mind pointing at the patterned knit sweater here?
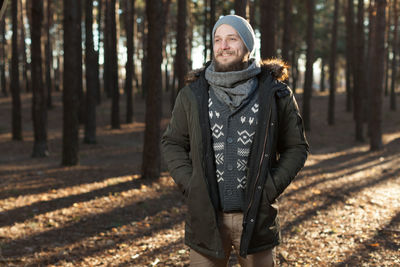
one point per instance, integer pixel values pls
(232, 133)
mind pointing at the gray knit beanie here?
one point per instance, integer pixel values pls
(243, 28)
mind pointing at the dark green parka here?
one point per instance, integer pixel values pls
(279, 150)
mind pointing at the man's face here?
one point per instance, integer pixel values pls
(230, 52)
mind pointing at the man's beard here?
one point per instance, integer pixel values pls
(236, 65)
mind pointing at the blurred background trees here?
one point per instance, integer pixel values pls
(142, 50)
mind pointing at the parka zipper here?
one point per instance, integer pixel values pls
(261, 160)
(243, 253)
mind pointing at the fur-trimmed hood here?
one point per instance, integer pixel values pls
(277, 67)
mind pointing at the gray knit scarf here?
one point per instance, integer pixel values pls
(233, 87)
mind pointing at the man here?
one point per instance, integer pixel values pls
(234, 143)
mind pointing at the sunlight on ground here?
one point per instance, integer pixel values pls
(29, 199)
(60, 218)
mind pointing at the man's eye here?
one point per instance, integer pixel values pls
(233, 39)
(217, 40)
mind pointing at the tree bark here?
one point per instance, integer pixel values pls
(268, 20)
(72, 62)
(91, 94)
(82, 101)
(369, 67)
(129, 26)
(181, 49)
(387, 51)
(97, 66)
(395, 46)
(39, 107)
(49, 51)
(212, 23)
(349, 55)
(15, 88)
(308, 80)
(144, 58)
(377, 82)
(57, 74)
(359, 82)
(151, 149)
(287, 29)
(205, 28)
(322, 81)
(3, 58)
(25, 64)
(240, 8)
(295, 68)
(113, 83)
(106, 36)
(332, 67)
(253, 7)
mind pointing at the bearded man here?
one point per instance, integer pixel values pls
(234, 143)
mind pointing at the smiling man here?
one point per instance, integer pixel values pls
(234, 143)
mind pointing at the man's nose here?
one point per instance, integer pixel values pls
(224, 44)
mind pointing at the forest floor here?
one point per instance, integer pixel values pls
(342, 210)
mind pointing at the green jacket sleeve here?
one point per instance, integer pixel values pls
(292, 144)
(176, 145)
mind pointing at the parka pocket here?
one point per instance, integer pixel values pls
(270, 189)
(266, 231)
(186, 191)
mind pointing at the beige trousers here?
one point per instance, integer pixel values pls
(231, 231)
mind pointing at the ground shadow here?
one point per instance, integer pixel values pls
(336, 195)
(27, 212)
(95, 224)
(382, 238)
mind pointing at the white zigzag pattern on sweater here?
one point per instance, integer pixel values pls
(245, 137)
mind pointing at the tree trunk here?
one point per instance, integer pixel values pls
(39, 107)
(212, 23)
(295, 67)
(181, 49)
(377, 82)
(322, 81)
(189, 42)
(82, 101)
(91, 94)
(173, 87)
(205, 28)
(287, 29)
(25, 65)
(349, 55)
(49, 51)
(97, 66)
(3, 58)
(369, 68)
(240, 8)
(387, 51)
(144, 58)
(359, 82)
(129, 26)
(268, 20)
(332, 67)
(308, 80)
(106, 36)
(151, 148)
(57, 74)
(253, 4)
(115, 124)
(395, 46)
(72, 63)
(15, 89)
